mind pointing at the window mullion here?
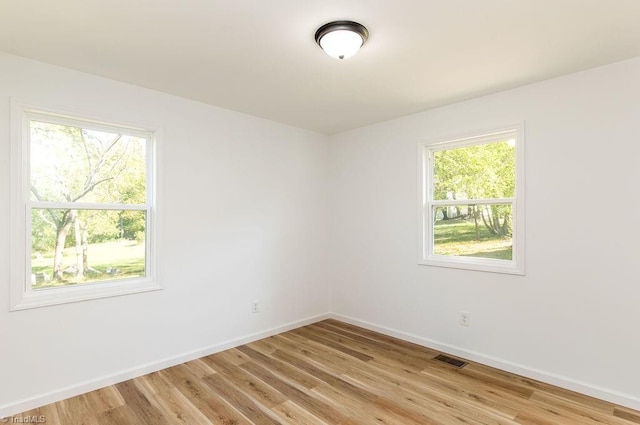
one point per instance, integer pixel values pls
(488, 201)
(86, 206)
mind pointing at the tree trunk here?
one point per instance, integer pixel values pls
(505, 225)
(475, 220)
(487, 219)
(85, 248)
(79, 260)
(61, 237)
(496, 221)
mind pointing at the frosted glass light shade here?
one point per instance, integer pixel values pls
(341, 44)
(341, 39)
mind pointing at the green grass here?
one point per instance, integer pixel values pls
(457, 237)
(128, 257)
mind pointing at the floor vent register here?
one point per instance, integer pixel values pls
(458, 364)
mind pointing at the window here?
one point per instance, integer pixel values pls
(472, 202)
(83, 209)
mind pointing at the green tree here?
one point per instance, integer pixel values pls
(478, 172)
(71, 164)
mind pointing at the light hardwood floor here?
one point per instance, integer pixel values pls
(330, 373)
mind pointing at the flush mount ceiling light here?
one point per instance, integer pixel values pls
(341, 39)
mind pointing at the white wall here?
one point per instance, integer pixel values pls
(263, 190)
(573, 319)
(243, 204)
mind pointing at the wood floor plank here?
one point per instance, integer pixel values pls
(366, 344)
(315, 406)
(76, 409)
(496, 382)
(334, 381)
(627, 414)
(216, 409)
(349, 404)
(377, 338)
(299, 377)
(246, 382)
(329, 340)
(104, 399)
(448, 380)
(582, 412)
(178, 409)
(483, 371)
(321, 356)
(415, 359)
(155, 382)
(416, 397)
(292, 414)
(247, 406)
(201, 369)
(426, 416)
(462, 387)
(121, 415)
(330, 373)
(141, 407)
(264, 345)
(233, 356)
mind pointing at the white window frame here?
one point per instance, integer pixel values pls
(22, 295)
(426, 203)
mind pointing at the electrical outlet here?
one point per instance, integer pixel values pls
(465, 318)
(255, 306)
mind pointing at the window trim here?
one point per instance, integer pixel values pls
(22, 296)
(425, 203)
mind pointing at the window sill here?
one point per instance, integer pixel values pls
(475, 264)
(71, 294)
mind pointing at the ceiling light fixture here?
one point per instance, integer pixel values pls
(341, 39)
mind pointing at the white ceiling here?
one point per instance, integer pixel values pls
(259, 56)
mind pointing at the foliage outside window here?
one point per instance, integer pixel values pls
(87, 196)
(472, 208)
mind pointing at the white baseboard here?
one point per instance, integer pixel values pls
(104, 381)
(595, 391)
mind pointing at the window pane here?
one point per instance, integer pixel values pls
(71, 247)
(475, 172)
(72, 164)
(473, 231)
